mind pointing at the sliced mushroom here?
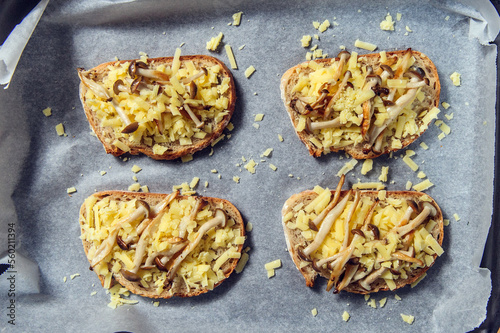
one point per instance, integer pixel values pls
(198, 123)
(139, 68)
(193, 90)
(327, 224)
(300, 106)
(106, 246)
(312, 126)
(343, 58)
(193, 77)
(119, 86)
(372, 81)
(95, 87)
(348, 275)
(374, 229)
(399, 255)
(319, 102)
(366, 282)
(124, 246)
(199, 204)
(314, 224)
(427, 210)
(348, 218)
(165, 255)
(331, 103)
(220, 219)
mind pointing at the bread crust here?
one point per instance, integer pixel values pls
(294, 238)
(177, 287)
(433, 90)
(175, 150)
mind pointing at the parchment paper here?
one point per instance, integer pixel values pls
(38, 166)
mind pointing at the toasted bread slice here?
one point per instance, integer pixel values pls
(159, 245)
(365, 105)
(162, 107)
(392, 239)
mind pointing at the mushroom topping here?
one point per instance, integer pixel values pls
(358, 232)
(124, 246)
(374, 229)
(316, 125)
(387, 72)
(139, 68)
(366, 282)
(321, 99)
(195, 76)
(162, 258)
(402, 256)
(343, 85)
(219, 219)
(199, 204)
(348, 219)
(372, 81)
(191, 114)
(394, 111)
(326, 225)
(348, 275)
(193, 90)
(427, 210)
(141, 211)
(313, 225)
(300, 107)
(118, 87)
(130, 127)
(343, 58)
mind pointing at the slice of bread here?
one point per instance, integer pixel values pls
(344, 103)
(162, 107)
(159, 245)
(379, 254)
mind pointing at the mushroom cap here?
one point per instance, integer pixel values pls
(433, 210)
(413, 75)
(116, 86)
(134, 65)
(131, 276)
(387, 69)
(343, 54)
(134, 86)
(130, 128)
(124, 246)
(219, 213)
(418, 70)
(374, 79)
(145, 205)
(193, 90)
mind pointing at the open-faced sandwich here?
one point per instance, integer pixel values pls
(362, 241)
(162, 107)
(365, 105)
(159, 245)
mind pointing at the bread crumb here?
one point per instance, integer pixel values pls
(346, 316)
(71, 190)
(47, 112)
(314, 312)
(136, 168)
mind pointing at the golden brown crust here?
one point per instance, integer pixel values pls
(176, 288)
(294, 238)
(175, 150)
(290, 77)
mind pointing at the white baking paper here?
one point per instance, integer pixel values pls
(38, 166)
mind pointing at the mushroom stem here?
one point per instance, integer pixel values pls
(348, 275)
(195, 76)
(366, 282)
(329, 107)
(105, 247)
(167, 255)
(129, 126)
(191, 114)
(348, 219)
(139, 68)
(219, 219)
(314, 223)
(95, 87)
(312, 126)
(343, 58)
(428, 209)
(371, 82)
(185, 221)
(327, 224)
(401, 256)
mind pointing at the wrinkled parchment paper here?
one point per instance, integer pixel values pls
(38, 165)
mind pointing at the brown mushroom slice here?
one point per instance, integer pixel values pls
(367, 281)
(314, 223)
(95, 87)
(327, 224)
(318, 103)
(107, 245)
(372, 81)
(394, 111)
(191, 114)
(348, 275)
(166, 255)
(220, 219)
(139, 68)
(193, 77)
(119, 87)
(343, 58)
(300, 106)
(193, 90)
(399, 255)
(150, 227)
(331, 103)
(427, 210)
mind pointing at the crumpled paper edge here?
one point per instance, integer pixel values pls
(484, 26)
(13, 47)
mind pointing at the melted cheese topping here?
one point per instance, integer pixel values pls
(202, 268)
(157, 108)
(372, 253)
(314, 77)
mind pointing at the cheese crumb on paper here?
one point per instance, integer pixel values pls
(47, 112)
(455, 78)
(388, 23)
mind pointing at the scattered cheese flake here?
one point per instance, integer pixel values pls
(455, 78)
(60, 129)
(236, 179)
(422, 186)
(194, 182)
(241, 263)
(241, 47)
(74, 276)
(408, 29)
(213, 44)
(445, 105)
(424, 145)
(206, 184)
(383, 174)
(213, 171)
(365, 45)
(134, 187)
(445, 128)
(249, 227)
(316, 24)
(457, 218)
(230, 126)
(447, 18)
(267, 152)
(421, 175)
(156, 304)
(367, 166)
(273, 264)
(135, 178)
(398, 16)
(306, 40)
(249, 71)
(280, 137)
(366, 186)
(237, 18)
(382, 302)
(65, 279)
(388, 23)
(346, 316)
(145, 188)
(408, 185)
(348, 166)
(216, 141)
(407, 159)
(441, 136)
(314, 312)
(230, 55)
(259, 117)
(136, 168)
(93, 293)
(449, 116)
(256, 125)
(187, 158)
(323, 26)
(372, 303)
(250, 166)
(71, 190)
(47, 112)
(408, 318)
(102, 173)
(273, 167)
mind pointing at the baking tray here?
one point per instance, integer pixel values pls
(39, 166)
